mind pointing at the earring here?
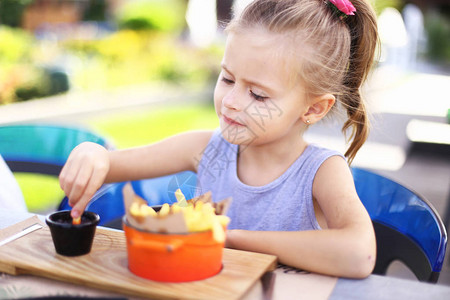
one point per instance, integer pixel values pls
(308, 122)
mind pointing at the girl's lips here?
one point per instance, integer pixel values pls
(231, 121)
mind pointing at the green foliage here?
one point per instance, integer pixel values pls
(36, 88)
(132, 57)
(15, 45)
(160, 15)
(438, 30)
(24, 82)
(125, 57)
(11, 11)
(380, 5)
(95, 11)
(42, 83)
(19, 79)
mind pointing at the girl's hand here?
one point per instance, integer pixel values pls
(83, 174)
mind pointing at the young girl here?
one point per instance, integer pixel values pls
(287, 64)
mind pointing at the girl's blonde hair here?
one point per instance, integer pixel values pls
(339, 51)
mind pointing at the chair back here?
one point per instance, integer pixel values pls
(407, 227)
(36, 153)
(43, 149)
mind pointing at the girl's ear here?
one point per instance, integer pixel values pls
(318, 109)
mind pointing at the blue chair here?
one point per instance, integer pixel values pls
(407, 227)
(43, 149)
(108, 201)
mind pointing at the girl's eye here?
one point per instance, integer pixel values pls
(257, 97)
(227, 81)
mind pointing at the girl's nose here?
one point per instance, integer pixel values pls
(231, 100)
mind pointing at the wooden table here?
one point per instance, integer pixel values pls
(288, 284)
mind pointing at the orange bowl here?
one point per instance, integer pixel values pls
(172, 257)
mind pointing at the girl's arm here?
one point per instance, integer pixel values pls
(90, 165)
(347, 248)
(178, 153)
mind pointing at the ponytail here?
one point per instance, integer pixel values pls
(364, 38)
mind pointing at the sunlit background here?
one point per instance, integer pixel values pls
(136, 71)
(48, 47)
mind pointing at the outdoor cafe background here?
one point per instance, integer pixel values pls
(125, 68)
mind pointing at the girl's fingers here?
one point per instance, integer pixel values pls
(95, 182)
(71, 168)
(80, 183)
(69, 171)
(83, 174)
(69, 175)
(64, 173)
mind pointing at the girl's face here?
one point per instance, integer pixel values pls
(256, 99)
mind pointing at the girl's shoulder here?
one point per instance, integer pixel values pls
(318, 148)
(325, 163)
(315, 155)
(334, 175)
(326, 160)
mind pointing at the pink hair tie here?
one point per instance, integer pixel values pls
(343, 6)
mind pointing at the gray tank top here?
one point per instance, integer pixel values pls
(284, 204)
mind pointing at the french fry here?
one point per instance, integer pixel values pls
(164, 211)
(195, 215)
(76, 221)
(134, 209)
(180, 198)
(207, 208)
(198, 206)
(147, 211)
(217, 230)
(175, 208)
(223, 220)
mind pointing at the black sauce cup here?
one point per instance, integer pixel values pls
(69, 239)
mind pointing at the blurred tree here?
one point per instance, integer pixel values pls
(95, 10)
(437, 25)
(159, 15)
(11, 11)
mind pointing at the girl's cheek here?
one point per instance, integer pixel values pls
(217, 98)
(217, 102)
(220, 93)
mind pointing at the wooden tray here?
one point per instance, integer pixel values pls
(106, 267)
